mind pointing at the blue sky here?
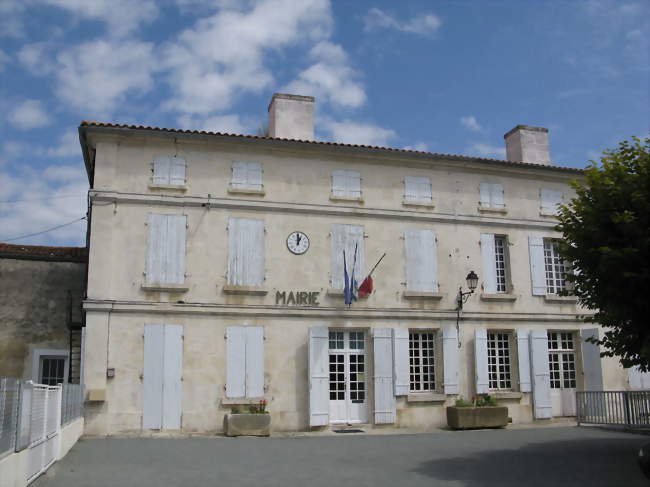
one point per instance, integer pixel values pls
(445, 76)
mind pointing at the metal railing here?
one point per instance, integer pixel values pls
(630, 409)
(72, 403)
(9, 401)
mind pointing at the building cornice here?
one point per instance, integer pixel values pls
(314, 209)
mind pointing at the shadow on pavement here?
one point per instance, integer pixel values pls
(566, 463)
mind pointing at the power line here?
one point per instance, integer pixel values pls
(42, 232)
(43, 199)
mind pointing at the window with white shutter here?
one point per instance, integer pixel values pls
(549, 201)
(494, 254)
(166, 249)
(244, 361)
(491, 196)
(246, 176)
(555, 269)
(421, 261)
(169, 170)
(345, 238)
(245, 252)
(422, 351)
(417, 190)
(346, 185)
(499, 361)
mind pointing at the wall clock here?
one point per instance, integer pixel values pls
(297, 243)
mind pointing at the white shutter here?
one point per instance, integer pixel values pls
(239, 175)
(161, 170)
(339, 184)
(411, 188)
(245, 252)
(177, 171)
(489, 263)
(175, 249)
(481, 361)
(318, 377)
(172, 393)
(591, 364)
(345, 237)
(254, 175)
(550, 198)
(484, 194)
(353, 184)
(152, 376)
(385, 408)
(254, 361)
(421, 260)
(450, 359)
(235, 362)
(425, 193)
(401, 361)
(156, 248)
(537, 270)
(496, 196)
(523, 355)
(540, 374)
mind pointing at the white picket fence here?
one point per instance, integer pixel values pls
(44, 428)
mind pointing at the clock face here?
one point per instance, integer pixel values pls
(297, 243)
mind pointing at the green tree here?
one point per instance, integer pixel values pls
(606, 231)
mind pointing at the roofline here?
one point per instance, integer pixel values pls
(86, 125)
(38, 252)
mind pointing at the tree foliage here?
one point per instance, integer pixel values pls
(606, 229)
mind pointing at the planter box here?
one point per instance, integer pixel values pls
(471, 417)
(247, 424)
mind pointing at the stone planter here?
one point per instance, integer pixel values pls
(247, 424)
(471, 417)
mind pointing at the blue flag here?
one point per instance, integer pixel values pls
(353, 282)
(347, 292)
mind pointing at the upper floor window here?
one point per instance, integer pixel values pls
(499, 364)
(422, 376)
(491, 196)
(166, 249)
(549, 200)
(417, 190)
(246, 176)
(554, 267)
(245, 252)
(421, 261)
(346, 185)
(168, 170)
(494, 254)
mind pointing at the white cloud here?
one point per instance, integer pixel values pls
(47, 198)
(68, 146)
(486, 150)
(225, 55)
(351, 132)
(419, 146)
(28, 115)
(11, 22)
(120, 16)
(36, 58)
(330, 79)
(231, 124)
(426, 25)
(96, 76)
(470, 123)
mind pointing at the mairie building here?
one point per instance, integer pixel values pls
(218, 264)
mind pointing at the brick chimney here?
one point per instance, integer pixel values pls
(291, 117)
(528, 144)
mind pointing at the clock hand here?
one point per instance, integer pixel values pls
(297, 239)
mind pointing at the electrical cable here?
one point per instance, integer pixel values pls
(43, 199)
(4, 240)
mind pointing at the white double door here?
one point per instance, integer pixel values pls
(162, 393)
(348, 386)
(562, 368)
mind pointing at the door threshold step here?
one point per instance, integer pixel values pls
(348, 430)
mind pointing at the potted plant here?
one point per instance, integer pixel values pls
(256, 421)
(482, 412)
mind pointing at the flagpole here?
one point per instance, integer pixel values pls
(380, 259)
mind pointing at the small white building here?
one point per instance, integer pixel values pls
(216, 280)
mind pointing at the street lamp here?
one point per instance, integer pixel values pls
(472, 282)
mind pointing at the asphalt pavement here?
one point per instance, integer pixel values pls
(567, 456)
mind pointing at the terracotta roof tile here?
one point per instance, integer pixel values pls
(46, 252)
(89, 123)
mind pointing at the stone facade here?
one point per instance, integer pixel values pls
(296, 194)
(36, 284)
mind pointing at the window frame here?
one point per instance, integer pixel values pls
(417, 182)
(248, 185)
(502, 281)
(433, 383)
(495, 376)
(491, 204)
(555, 269)
(40, 353)
(346, 193)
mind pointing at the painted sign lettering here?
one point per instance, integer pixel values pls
(297, 298)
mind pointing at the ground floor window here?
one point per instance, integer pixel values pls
(561, 360)
(499, 363)
(52, 370)
(422, 361)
